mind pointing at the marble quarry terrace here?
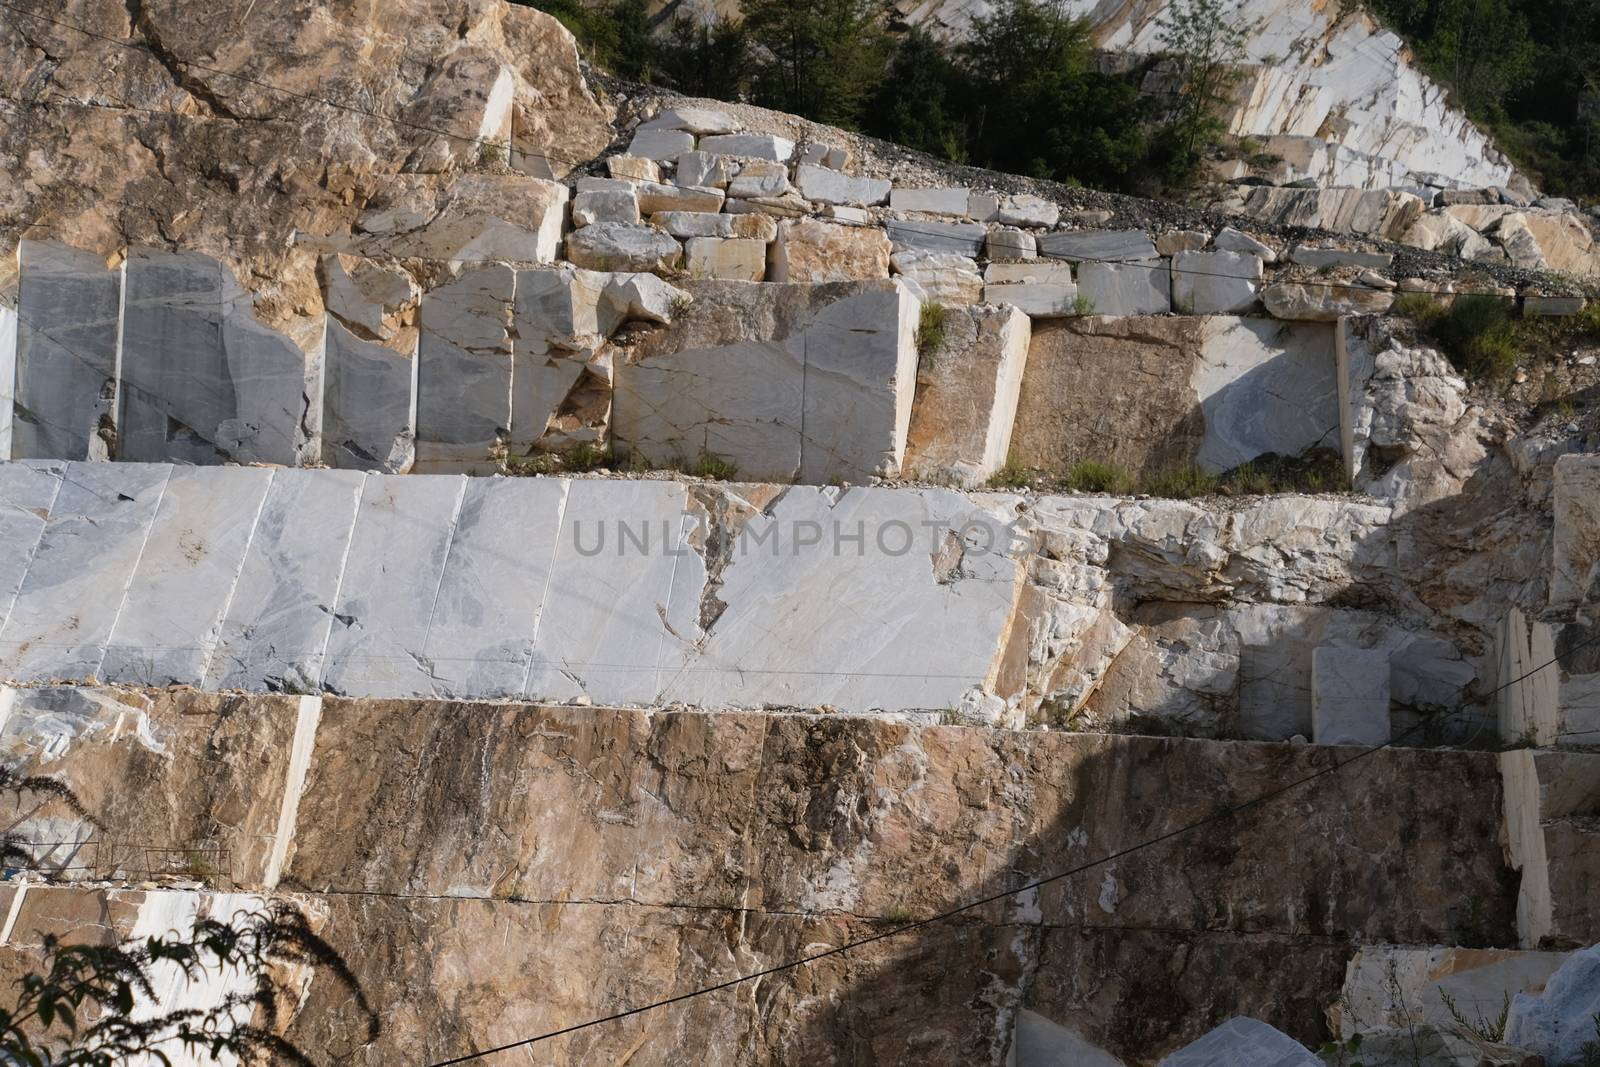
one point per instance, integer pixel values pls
(582, 546)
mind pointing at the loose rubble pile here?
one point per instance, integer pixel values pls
(285, 603)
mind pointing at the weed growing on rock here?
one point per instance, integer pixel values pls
(1182, 482)
(1093, 476)
(710, 466)
(930, 335)
(1012, 476)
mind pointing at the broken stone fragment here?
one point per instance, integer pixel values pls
(696, 120)
(1125, 288)
(944, 276)
(616, 246)
(654, 197)
(633, 168)
(832, 187)
(750, 145)
(760, 178)
(1559, 1024)
(1215, 283)
(730, 258)
(706, 224)
(660, 144)
(812, 252)
(1323, 301)
(1024, 209)
(704, 170)
(1317, 257)
(824, 155)
(962, 238)
(1232, 240)
(507, 217)
(1010, 243)
(1174, 241)
(1105, 246)
(605, 206)
(950, 201)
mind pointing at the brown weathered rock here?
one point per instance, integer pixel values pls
(811, 251)
(967, 396)
(1323, 301)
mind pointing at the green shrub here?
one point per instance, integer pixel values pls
(1012, 476)
(1182, 482)
(1093, 476)
(710, 466)
(930, 334)
(1479, 336)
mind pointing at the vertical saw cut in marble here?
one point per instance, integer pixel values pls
(278, 622)
(69, 319)
(391, 584)
(1264, 386)
(180, 592)
(8, 365)
(464, 371)
(78, 578)
(967, 397)
(480, 637)
(1551, 839)
(1350, 696)
(859, 599)
(203, 381)
(27, 491)
(369, 415)
(624, 590)
(1575, 577)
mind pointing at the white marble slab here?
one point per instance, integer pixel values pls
(69, 308)
(171, 618)
(79, 574)
(277, 625)
(369, 404)
(464, 373)
(27, 490)
(391, 584)
(481, 635)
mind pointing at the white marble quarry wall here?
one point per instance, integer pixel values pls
(1322, 71)
(617, 590)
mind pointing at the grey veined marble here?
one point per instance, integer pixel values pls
(464, 378)
(68, 328)
(203, 381)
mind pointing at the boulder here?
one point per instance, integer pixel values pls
(507, 217)
(1215, 283)
(1024, 209)
(696, 120)
(750, 145)
(605, 206)
(1010, 243)
(1323, 301)
(760, 178)
(1244, 1042)
(730, 258)
(790, 205)
(1104, 246)
(962, 238)
(812, 252)
(705, 170)
(616, 246)
(967, 397)
(706, 224)
(983, 207)
(1125, 288)
(949, 201)
(824, 155)
(1560, 1023)
(633, 168)
(654, 197)
(945, 276)
(1232, 240)
(1174, 241)
(660, 144)
(828, 186)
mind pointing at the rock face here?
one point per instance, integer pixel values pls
(1560, 1023)
(967, 397)
(611, 821)
(787, 383)
(1152, 394)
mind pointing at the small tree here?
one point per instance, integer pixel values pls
(818, 58)
(1205, 41)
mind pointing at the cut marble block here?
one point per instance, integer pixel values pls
(624, 594)
(859, 599)
(1264, 386)
(277, 625)
(172, 616)
(813, 382)
(967, 399)
(78, 577)
(561, 319)
(1349, 696)
(1126, 288)
(487, 218)
(391, 585)
(68, 328)
(1215, 283)
(27, 491)
(369, 419)
(1550, 837)
(203, 382)
(1575, 580)
(464, 371)
(480, 638)
(1544, 704)
(861, 369)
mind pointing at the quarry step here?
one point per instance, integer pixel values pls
(537, 836)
